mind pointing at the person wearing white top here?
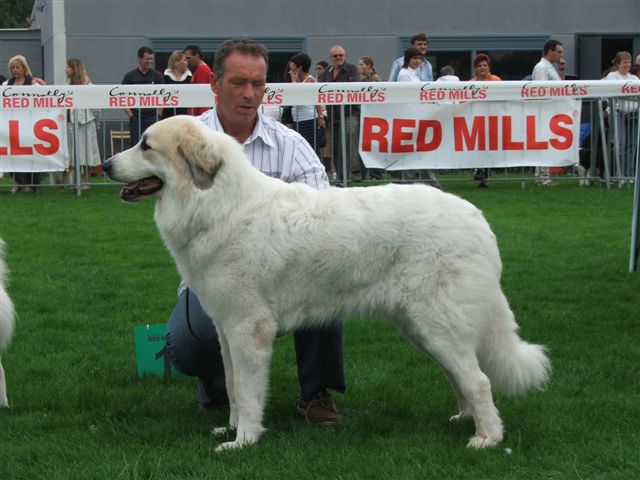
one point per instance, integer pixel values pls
(544, 70)
(425, 71)
(238, 80)
(412, 62)
(624, 122)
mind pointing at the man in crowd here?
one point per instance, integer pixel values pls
(425, 72)
(238, 80)
(143, 118)
(201, 72)
(543, 71)
(341, 71)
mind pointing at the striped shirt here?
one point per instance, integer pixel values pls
(278, 151)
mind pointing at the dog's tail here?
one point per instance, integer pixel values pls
(513, 365)
(7, 314)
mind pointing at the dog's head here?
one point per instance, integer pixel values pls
(179, 152)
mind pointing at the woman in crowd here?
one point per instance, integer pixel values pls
(412, 62)
(82, 128)
(367, 70)
(482, 67)
(624, 113)
(308, 120)
(177, 72)
(20, 74)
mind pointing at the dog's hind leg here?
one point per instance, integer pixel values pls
(458, 359)
(250, 345)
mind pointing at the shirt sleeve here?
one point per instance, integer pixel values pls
(538, 73)
(307, 167)
(395, 69)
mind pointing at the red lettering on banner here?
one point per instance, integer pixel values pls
(493, 132)
(557, 126)
(275, 99)
(424, 126)
(507, 141)
(330, 97)
(365, 97)
(399, 134)
(39, 129)
(15, 102)
(532, 143)
(51, 102)
(14, 140)
(476, 136)
(626, 88)
(431, 95)
(375, 130)
(122, 102)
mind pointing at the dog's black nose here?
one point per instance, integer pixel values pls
(106, 166)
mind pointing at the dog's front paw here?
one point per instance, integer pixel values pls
(231, 445)
(483, 442)
(219, 431)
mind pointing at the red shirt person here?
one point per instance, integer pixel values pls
(201, 72)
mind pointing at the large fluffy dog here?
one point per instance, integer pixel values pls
(264, 256)
(7, 319)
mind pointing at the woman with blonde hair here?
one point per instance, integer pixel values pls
(20, 75)
(82, 128)
(368, 70)
(177, 73)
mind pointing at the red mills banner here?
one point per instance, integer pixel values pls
(33, 140)
(470, 135)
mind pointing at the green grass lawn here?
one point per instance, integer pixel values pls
(86, 270)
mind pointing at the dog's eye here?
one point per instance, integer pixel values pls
(144, 145)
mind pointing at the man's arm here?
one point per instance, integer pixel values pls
(395, 69)
(307, 167)
(126, 80)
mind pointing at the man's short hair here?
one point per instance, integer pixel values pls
(194, 49)
(419, 37)
(550, 45)
(143, 50)
(242, 45)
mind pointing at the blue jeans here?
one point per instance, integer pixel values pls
(318, 354)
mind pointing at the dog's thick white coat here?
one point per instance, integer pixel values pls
(7, 320)
(264, 256)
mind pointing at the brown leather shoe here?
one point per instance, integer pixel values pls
(320, 410)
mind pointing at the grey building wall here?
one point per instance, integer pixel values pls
(105, 35)
(21, 42)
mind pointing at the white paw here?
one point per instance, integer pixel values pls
(219, 431)
(483, 442)
(231, 445)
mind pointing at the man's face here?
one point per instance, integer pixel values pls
(146, 62)
(338, 56)
(240, 89)
(422, 46)
(556, 54)
(192, 59)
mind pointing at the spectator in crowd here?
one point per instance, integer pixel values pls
(562, 67)
(482, 68)
(321, 66)
(425, 72)
(201, 72)
(145, 74)
(447, 74)
(368, 73)
(412, 61)
(341, 71)
(82, 128)
(543, 71)
(368, 70)
(177, 73)
(308, 121)
(280, 152)
(625, 124)
(20, 74)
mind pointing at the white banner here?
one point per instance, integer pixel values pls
(282, 94)
(33, 140)
(470, 135)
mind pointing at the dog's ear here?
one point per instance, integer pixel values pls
(202, 164)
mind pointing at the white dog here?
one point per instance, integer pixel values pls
(7, 319)
(264, 256)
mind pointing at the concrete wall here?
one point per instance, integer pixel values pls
(106, 35)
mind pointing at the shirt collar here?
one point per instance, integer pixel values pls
(259, 130)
